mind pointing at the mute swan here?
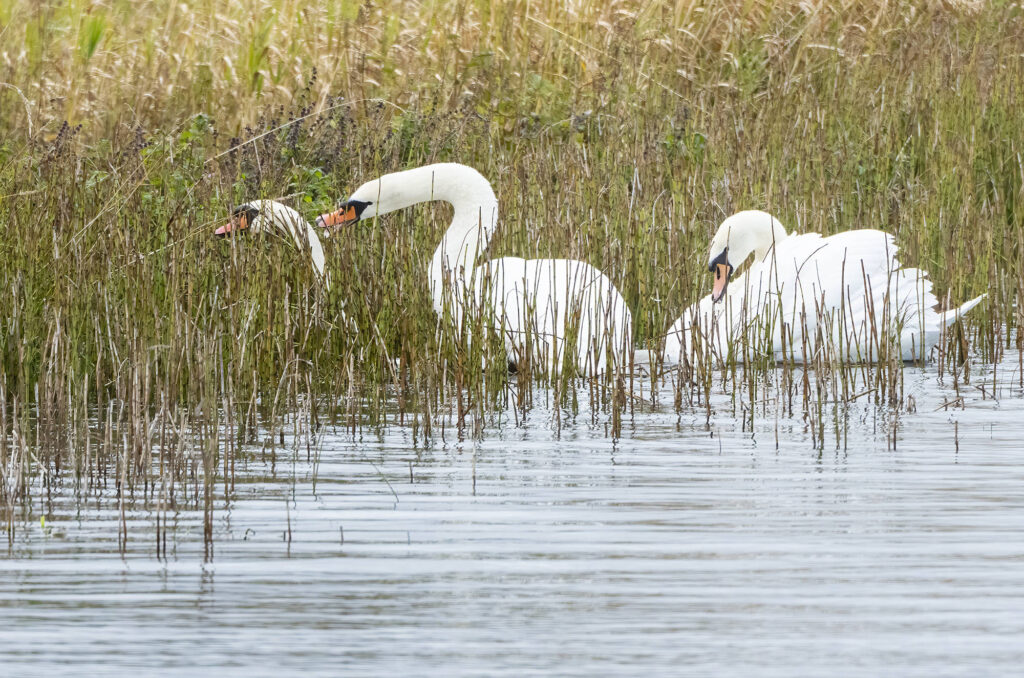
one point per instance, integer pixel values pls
(263, 215)
(538, 304)
(844, 294)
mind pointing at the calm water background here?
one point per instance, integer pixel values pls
(679, 549)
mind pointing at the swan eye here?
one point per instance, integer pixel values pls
(245, 216)
(242, 217)
(347, 213)
(721, 260)
(358, 207)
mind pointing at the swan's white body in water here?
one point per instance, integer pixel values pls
(539, 305)
(843, 297)
(262, 216)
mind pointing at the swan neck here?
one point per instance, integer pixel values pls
(474, 220)
(316, 251)
(289, 221)
(757, 233)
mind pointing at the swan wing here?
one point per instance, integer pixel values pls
(569, 303)
(499, 289)
(846, 292)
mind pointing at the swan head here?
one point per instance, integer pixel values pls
(348, 212)
(243, 217)
(739, 236)
(460, 185)
(388, 193)
(264, 216)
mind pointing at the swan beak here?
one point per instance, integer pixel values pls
(722, 273)
(346, 214)
(235, 224)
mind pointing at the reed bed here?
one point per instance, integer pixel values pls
(618, 133)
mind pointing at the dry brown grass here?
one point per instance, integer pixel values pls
(620, 133)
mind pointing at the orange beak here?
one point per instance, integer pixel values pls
(722, 273)
(346, 214)
(235, 224)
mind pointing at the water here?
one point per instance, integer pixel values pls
(680, 549)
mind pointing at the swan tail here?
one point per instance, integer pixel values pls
(948, 317)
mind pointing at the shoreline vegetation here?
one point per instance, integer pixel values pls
(620, 134)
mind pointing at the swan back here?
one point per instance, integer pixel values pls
(843, 297)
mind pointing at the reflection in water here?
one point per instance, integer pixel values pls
(682, 547)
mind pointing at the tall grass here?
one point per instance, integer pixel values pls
(619, 133)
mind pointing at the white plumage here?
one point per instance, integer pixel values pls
(841, 297)
(260, 216)
(543, 307)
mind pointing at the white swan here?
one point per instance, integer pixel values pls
(844, 295)
(264, 215)
(538, 304)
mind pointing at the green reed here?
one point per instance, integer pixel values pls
(620, 134)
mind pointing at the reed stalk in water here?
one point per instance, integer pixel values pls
(617, 133)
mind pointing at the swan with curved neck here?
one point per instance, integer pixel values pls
(804, 296)
(538, 304)
(263, 216)
(739, 236)
(473, 223)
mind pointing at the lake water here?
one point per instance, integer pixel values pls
(679, 549)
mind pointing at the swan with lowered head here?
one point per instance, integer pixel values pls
(537, 304)
(802, 294)
(262, 216)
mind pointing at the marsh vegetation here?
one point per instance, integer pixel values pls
(618, 133)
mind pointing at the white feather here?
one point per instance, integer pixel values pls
(842, 297)
(538, 305)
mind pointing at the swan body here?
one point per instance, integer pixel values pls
(265, 216)
(538, 305)
(840, 297)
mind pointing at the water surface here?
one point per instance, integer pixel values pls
(682, 548)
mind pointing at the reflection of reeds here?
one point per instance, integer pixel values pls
(130, 339)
